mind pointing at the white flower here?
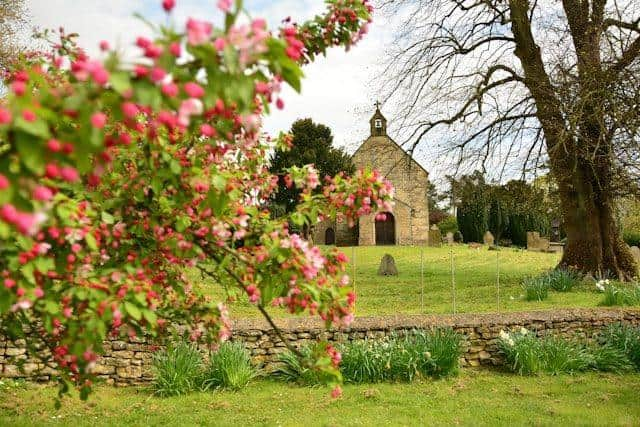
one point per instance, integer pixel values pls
(606, 282)
(523, 331)
(510, 342)
(600, 285)
(504, 335)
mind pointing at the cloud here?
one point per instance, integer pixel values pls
(338, 90)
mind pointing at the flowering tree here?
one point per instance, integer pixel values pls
(114, 178)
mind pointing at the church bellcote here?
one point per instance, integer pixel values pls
(378, 123)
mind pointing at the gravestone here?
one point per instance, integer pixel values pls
(387, 266)
(488, 238)
(450, 238)
(537, 243)
(635, 251)
(435, 237)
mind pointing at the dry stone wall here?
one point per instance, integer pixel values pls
(128, 362)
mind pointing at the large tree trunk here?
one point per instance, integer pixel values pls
(594, 243)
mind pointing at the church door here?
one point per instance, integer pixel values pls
(329, 237)
(386, 230)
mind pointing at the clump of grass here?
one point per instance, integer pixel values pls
(176, 369)
(402, 358)
(536, 288)
(620, 296)
(229, 367)
(563, 280)
(561, 356)
(527, 354)
(522, 351)
(624, 338)
(293, 368)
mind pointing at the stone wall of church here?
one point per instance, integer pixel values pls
(411, 211)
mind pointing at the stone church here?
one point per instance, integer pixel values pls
(409, 222)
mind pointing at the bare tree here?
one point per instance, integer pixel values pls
(12, 19)
(531, 83)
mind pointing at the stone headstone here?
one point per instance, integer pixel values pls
(387, 266)
(450, 238)
(435, 237)
(635, 251)
(488, 238)
(537, 243)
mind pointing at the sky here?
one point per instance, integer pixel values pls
(337, 91)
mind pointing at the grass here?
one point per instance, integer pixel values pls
(474, 398)
(475, 282)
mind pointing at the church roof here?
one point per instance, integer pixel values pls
(378, 115)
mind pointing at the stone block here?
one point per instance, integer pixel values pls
(129, 372)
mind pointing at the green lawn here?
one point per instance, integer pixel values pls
(476, 288)
(474, 398)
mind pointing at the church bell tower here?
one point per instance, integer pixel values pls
(378, 123)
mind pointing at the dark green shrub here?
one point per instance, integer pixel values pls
(176, 370)
(536, 288)
(631, 237)
(229, 367)
(562, 280)
(449, 224)
(457, 237)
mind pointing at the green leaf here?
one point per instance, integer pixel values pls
(4, 230)
(27, 272)
(38, 127)
(175, 167)
(120, 82)
(44, 264)
(91, 241)
(132, 310)
(150, 316)
(31, 152)
(182, 223)
(106, 217)
(52, 307)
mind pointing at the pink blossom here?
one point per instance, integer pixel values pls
(207, 130)
(198, 32)
(219, 44)
(336, 392)
(5, 116)
(42, 193)
(194, 90)
(54, 145)
(168, 5)
(170, 89)
(38, 292)
(4, 182)
(69, 174)
(224, 5)
(9, 283)
(104, 45)
(130, 110)
(19, 87)
(157, 74)
(98, 120)
(175, 49)
(29, 115)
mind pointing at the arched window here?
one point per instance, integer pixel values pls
(329, 236)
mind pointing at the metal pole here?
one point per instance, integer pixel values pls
(353, 274)
(453, 280)
(422, 279)
(498, 275)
